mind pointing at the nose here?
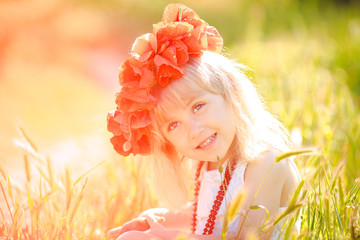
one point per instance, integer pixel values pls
(195, 127)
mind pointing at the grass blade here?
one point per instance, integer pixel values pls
(288, 210)
(28, 139)
(77, 203)
(7, 202)
(282, 156)
(261, 207)
(232, 210)
(27, 169)
(84, 174)
(297, 193)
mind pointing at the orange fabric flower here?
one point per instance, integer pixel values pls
(176, 53)
(215, 41)
(144, 47)
(166, 71)
(171, 31)
(130, 131)
(130, 100)
(136, 74)
(155, 60)
(172, 14)
(196, 41)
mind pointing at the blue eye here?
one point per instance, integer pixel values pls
(197, 107)
(173, 125)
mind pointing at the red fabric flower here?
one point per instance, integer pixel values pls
(136, 74)
(130, 132)
(155, 60)
(144, 47)
(196, 41)
(171, 31)
(172, 14)
(166, 71)
(215, 41)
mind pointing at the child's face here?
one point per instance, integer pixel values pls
(200, 127)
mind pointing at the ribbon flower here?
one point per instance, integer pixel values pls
(155, 60)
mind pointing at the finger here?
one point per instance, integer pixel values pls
(139, 224)
(115, 231)
(151, 220)
(160, 219)
(155, 227)
(120, 230)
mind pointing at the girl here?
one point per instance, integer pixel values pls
(181, 100)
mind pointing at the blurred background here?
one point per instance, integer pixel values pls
(59, 62)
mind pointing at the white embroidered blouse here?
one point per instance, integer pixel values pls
(210, 182)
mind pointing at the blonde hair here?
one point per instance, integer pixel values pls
(256, 128)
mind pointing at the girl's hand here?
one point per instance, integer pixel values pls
(158, 230)
(137, 224)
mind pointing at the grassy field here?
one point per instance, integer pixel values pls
(305, 57)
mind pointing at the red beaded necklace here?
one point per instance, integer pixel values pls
(209, 226)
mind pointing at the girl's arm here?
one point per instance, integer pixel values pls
(173, 219)
(177, 220)
(157, 231)
(163, 233)
(275, 191)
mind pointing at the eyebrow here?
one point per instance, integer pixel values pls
(167, 119)
(187, 103)
(193, 98)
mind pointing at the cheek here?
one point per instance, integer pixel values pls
(176, 141)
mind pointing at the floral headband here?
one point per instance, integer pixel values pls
(156, 59)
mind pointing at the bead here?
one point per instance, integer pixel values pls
(219, 198)
(216, 208)
(209, 226)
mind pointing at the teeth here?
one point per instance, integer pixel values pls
(209, 140)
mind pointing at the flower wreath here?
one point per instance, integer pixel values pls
(156, 59)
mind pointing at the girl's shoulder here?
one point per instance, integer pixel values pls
(283, 172)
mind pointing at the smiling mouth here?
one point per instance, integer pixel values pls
(207, 141)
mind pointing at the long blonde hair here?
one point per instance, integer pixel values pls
(256, 128)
